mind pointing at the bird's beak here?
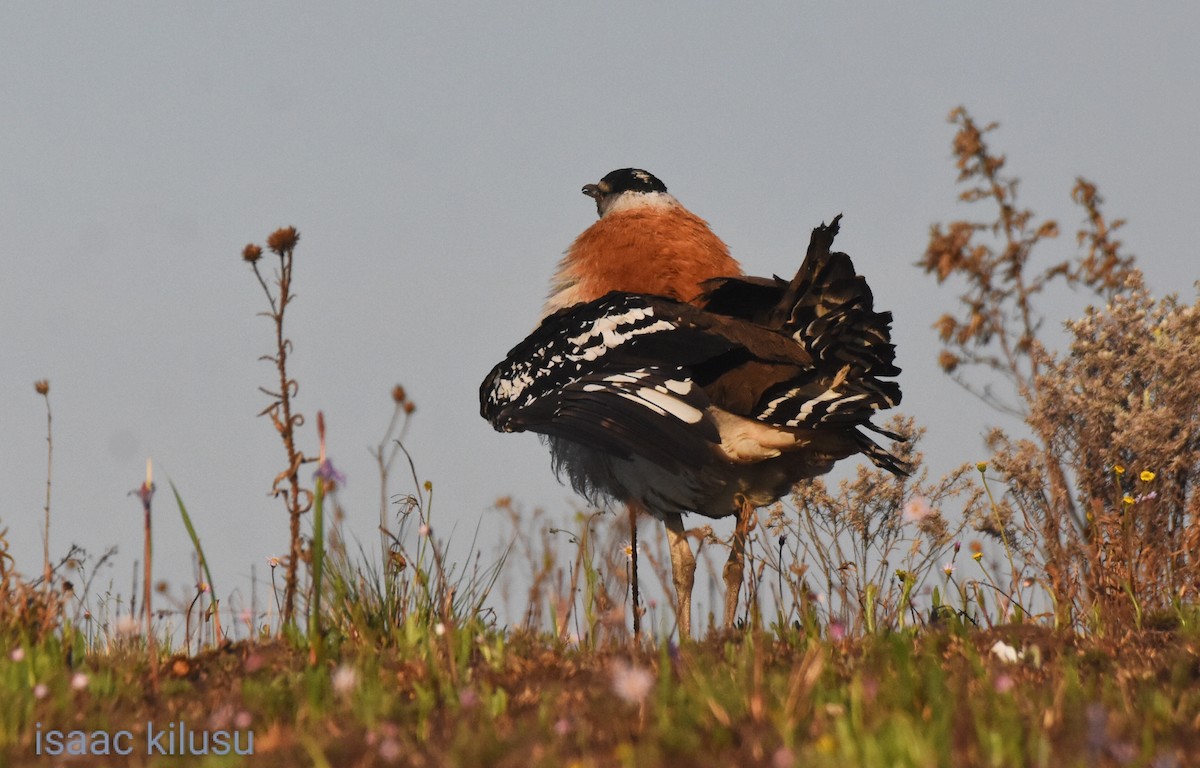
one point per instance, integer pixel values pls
(591, 190)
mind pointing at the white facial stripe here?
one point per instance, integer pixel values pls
(627, 201)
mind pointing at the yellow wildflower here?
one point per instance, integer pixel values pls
(826, 744)
(1146, 476)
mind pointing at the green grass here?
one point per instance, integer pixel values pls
(474, 695)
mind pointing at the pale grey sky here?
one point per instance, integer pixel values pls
(431, 156)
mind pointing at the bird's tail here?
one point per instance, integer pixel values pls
(829, 310)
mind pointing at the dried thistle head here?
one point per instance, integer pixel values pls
(251, 253)
(283, 240)
(948, 360)
(398, 394)
(42, 386)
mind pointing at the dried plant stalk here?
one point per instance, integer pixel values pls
(297, 499)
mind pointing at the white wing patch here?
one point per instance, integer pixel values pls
(511, 388)
(671, 405)
(599, 337)
(659, 398)
(605, 329)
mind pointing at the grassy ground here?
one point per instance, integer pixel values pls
(445, 695)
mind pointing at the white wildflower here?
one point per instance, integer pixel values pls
(631, 682)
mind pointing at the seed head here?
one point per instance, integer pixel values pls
(397, 560)
(918, 509)
(631, 682)
(344, 680)
(283, 240)
(251, 253)
(398, 394)
(42, 386)
(948, 360)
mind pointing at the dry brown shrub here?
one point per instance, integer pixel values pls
(870, 545)
(1127, 396)
(1103, 487)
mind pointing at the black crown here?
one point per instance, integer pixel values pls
(631, 180)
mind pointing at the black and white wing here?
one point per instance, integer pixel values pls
(613, 374)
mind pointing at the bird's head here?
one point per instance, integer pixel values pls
(627, 187)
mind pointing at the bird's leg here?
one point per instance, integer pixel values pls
(633, 572)
(683, 570)
(737, 557)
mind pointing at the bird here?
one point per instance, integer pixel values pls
(664, 378)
